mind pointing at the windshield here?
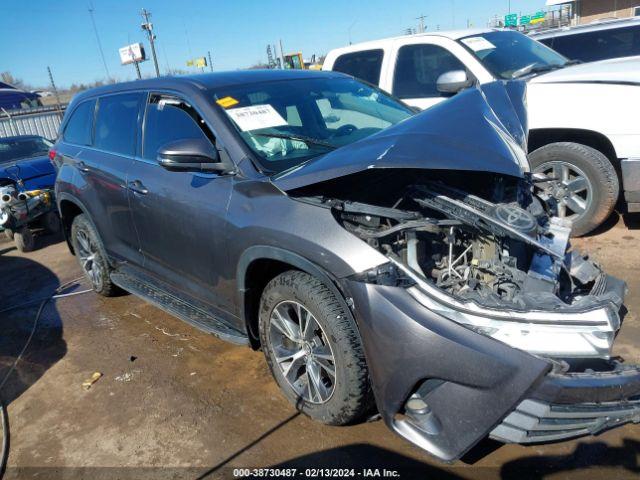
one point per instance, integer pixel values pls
(12, 149)
(286, 123)
(510, 55)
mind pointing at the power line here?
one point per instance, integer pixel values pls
(95, 30)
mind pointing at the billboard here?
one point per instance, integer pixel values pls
(132, 53)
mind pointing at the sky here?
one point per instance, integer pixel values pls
(59, 34)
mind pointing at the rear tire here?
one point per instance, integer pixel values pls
(91, 256)
(578, 161)
(24, 239)
(336, 400)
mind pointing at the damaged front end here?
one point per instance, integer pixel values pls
(483, 321)
(500, 267)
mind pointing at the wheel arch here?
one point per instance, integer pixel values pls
(539, 137)
(69, 208)
(260, 264)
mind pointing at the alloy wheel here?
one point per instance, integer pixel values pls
(88, 254)
(302, 352)
(571, 191)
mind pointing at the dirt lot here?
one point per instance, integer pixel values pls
(177, 403)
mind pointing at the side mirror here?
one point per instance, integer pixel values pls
(453, 81)
(191, 155)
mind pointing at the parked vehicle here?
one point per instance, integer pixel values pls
(583, 129)
(26, 189)
(600, 40)
(372, 254)
(12, 98)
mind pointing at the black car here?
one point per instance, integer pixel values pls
(372, 254)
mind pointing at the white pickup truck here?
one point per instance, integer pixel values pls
(584, 119)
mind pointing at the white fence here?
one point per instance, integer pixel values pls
(43, 121)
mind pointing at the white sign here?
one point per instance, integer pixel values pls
(132, 53)
(256, 117)
(478, 44)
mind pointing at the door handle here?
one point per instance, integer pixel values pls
(82, 166)
(136, 186)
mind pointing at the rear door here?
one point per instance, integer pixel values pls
(179, 216)
(103, 168)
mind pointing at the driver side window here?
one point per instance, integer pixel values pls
(168, 119)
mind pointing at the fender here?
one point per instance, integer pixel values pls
(71, 198)
(262, 252)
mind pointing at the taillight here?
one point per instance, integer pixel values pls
(52, 156)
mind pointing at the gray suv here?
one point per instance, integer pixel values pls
(380, 259)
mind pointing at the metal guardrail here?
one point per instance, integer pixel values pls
(43, 121)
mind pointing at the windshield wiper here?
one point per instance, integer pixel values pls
(300, 138)
(534, 68)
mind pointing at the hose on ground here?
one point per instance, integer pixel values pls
(3, 409)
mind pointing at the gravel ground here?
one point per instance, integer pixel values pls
(173, 402)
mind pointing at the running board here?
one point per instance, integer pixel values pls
(178, 307)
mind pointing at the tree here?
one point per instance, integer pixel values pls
(7, 77)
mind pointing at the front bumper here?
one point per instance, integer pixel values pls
(468, 386)
(571, 405)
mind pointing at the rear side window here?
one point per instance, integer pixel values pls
(364, 65)
(80, 124)
(168, 119)
(599, 45)
(117, 123)
(418, 68)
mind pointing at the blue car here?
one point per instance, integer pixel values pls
(12, 98)
(26, 188)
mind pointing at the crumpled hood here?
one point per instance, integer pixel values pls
(37, 172)
(480, 129)
(615, 70)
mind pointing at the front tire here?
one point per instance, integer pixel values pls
(313, 349)
(587, 188)
(24, 239)
(91, 256)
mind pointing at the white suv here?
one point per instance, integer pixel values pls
(583, 119)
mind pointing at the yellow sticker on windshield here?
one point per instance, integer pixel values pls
(227, 102)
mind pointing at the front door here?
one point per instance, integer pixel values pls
(416, 73)
(179, 216)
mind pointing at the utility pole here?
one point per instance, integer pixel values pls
(137, 65)
(421, 18)
(282, 56)
(148, 27)
(55, 91)
(95, 30)
(210, 61)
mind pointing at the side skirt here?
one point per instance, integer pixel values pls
(185, 309)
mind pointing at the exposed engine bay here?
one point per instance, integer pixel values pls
(495, 261)
(18, 207)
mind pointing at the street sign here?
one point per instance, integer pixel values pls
(132, 53)
(537, 17)
(512, 19)
(199, 62)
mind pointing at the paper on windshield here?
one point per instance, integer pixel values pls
(256, 117)
(478, 43)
